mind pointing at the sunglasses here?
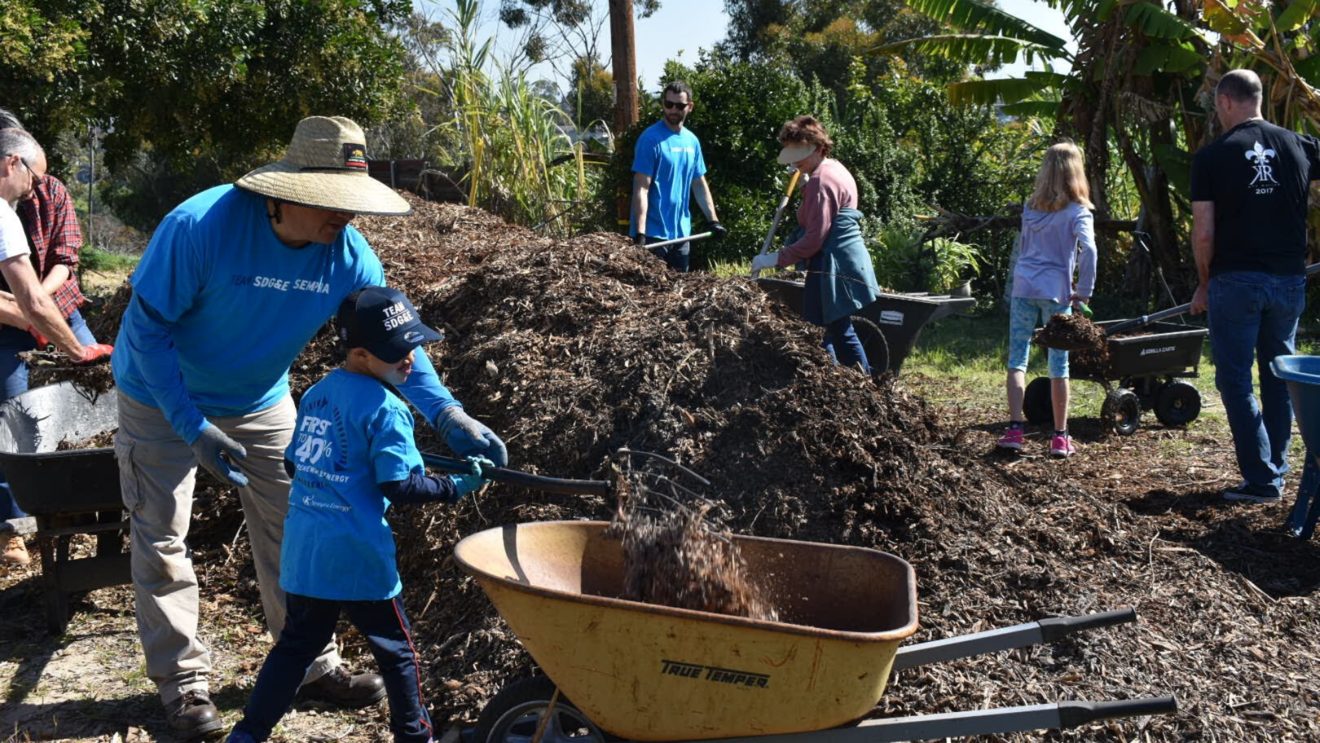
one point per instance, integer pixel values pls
(674, 104)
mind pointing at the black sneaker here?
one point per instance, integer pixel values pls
(1245, 491)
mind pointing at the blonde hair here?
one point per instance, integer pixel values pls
(1061, 180)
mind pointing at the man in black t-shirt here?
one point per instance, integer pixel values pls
(1249, 197)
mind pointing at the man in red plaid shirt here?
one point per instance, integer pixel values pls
(51, 226)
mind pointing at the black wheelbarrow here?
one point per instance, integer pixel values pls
(66, 492)
(888, 327)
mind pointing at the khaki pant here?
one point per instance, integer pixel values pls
(157, 472)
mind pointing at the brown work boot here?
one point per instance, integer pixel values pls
(339, 687)
(193, 716)
(16, 552)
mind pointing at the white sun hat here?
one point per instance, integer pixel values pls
(326, 168)
(793, 152)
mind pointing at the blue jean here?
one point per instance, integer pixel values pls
(843, 344)
(309, 625)
(1253, 316)
(678, 256)
(1023, 316)
(14, 376)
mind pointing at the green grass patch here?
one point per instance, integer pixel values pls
(95, 259)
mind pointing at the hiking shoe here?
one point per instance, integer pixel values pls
(351, 690)
(1012, 439)
(193, 716)
(15, 552)
(1245, 491)
(1062, 446)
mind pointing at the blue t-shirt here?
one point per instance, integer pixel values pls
(673, 160)
(352, 434)
(229, 307)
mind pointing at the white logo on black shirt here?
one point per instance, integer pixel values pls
(1264, 171)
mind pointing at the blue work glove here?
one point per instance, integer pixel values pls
(472, 481)
(211, 448)
(469, 437)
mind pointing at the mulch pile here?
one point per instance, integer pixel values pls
(574, 349)
(1069, 332)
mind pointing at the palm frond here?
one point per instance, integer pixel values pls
(1167, 58)
(1156, 22)
(989, 92)
(977, 16)
(1037, 109)
(972, 48)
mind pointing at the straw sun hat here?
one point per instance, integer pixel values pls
(326, 168)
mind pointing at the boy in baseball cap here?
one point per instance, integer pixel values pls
(353, 455)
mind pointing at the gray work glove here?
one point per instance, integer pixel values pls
(469, 437)
(211, 448)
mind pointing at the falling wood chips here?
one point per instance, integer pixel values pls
(572, 349)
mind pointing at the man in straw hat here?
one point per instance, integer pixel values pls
(234, 284)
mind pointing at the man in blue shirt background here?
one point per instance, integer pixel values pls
(234, 284)
(668, 170)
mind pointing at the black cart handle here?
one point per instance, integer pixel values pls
(515, 477)
(1076, 714)
(1055, 628)
(1172, 311)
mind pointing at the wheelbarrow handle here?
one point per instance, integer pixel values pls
(1053, 629)
(1076, 714)
(1172, 311)
(516, 477)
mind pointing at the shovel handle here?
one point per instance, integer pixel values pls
(515, 477)
(779, 212)
(1172, 311)
(677, 240)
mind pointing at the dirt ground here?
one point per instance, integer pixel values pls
(573, 350)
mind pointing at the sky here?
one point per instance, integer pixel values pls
(681, 27)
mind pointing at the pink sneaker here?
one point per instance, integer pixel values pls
(1012, 439)
(1062, 446)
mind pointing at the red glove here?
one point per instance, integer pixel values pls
(95, 352)
(42, 343)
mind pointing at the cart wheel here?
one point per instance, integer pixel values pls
(1177, 404)
(1038, 404)
(513, 715)
(1121, 412)
(873, 343)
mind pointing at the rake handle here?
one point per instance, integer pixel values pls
(1172, 311)
(516, 477)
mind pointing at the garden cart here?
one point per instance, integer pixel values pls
(1302, 374)
(1142, 372)
(654, 673)
(66, 492)
(888, 327)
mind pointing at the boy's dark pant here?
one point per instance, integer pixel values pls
(310, 624)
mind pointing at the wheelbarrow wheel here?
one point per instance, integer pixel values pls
(512, 716)
(1177, 404)
(1121, 412)
(1038, 402)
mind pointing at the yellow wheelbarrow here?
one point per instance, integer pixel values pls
(653, 673)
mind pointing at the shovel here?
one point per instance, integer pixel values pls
(779, 214)
(677, 240)
(514, 477)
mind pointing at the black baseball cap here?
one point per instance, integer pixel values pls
(384, 322)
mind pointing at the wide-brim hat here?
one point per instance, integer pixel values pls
(792, 153)
(326, 167)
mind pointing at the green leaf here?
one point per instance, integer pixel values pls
(1298, 13)
(1222, 20)
(989, 92)
(1038, 109)
(977, 16)
(971, 48)
(1166, 59)
(1156, 22)
(1309, 69)
(1177, 164)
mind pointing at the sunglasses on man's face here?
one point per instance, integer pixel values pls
(675, 104)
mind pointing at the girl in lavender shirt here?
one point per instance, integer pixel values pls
(1056, 226)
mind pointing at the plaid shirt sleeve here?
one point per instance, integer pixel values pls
(52, 226)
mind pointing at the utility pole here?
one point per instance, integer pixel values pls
(623, 51)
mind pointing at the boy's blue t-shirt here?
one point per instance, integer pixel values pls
(241, 304)
(352, 434)
(673, 160)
